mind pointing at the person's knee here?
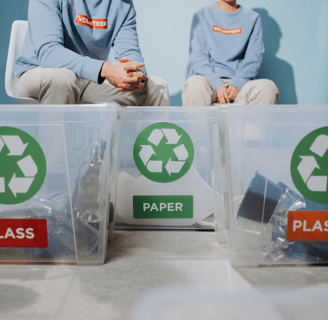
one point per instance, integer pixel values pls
(158, 91)
(60, 83)
(160, 85)
(61, 80)
(268, 86)
(158, 81)
(196, 92)
(195, 84)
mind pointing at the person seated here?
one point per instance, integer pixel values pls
(226, 50)
(65, 54)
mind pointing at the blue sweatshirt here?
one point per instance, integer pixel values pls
(78, 34)
(226, 44)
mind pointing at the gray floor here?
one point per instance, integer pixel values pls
(163, 275)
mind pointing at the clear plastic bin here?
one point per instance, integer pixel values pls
(165, 168)
(56, 179)
(275, 183)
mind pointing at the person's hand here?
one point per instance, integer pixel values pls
(232, 92)
(222, 96)
(140, 74)
(126, 76)
(134, 82)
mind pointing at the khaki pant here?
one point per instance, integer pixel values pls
(198, 91)
(62, 86)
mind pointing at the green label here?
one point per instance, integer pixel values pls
(23, 166)
(163, 207)
(163, 152)
(309, 166)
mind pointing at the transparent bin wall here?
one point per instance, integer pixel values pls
(145, 200)
(78, 143)
(259, 143)
(219, 178)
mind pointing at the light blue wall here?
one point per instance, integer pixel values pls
(295, 37)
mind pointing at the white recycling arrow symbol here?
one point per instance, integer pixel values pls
(320, 145)
(27, 165)
(155, 138)
(171, 136)
(15, 145)
(309, 164)
(174, 166)
(19, 185)
(146, 153)
(181, 152)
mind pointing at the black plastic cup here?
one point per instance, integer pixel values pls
(260, 200)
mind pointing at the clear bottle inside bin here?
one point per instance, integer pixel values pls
(88, 194)
(261, 224)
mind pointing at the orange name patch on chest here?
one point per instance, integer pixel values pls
(91, 23)
(227, 31)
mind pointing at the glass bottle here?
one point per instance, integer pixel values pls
(91, 162)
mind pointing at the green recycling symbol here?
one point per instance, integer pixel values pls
(163, 152)
(23, 166)
(309, 166)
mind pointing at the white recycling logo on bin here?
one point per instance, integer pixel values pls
(22, 164)
(309, 163)
(163, 152)
(309, 166)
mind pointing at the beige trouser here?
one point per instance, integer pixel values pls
(62, 86)
(198, 91)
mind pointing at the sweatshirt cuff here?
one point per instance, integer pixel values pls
(216, 83)
(238, 82)
(144, 70)
(91, 69)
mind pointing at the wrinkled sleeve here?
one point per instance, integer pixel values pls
(126, 43)
(250, 65)
(46, 27)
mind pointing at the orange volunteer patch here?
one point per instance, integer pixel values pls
(226, 31)
(91, 23)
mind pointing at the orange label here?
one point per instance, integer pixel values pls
(226, 31)
(307, 226)
(91, 23)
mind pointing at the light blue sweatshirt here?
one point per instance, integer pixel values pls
(226, 44)
(78, 34)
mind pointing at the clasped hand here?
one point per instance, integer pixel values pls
(126, 75)
(226, 95)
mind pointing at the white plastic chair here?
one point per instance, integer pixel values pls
(18, 32)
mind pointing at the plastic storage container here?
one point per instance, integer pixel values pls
(56, 178)
(275, 183)
(165, 168)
